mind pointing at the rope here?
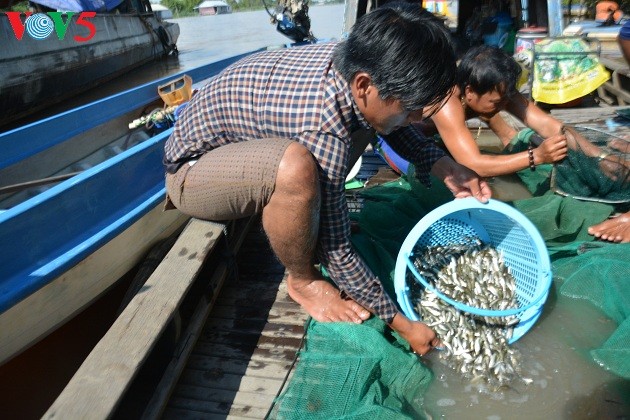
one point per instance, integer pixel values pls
(162, 36)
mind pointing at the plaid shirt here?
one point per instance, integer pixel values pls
(296, 93)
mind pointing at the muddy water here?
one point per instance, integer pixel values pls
(565, 382)
(203, 40)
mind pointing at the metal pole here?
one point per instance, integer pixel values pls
(554, 15)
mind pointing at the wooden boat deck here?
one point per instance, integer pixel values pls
(251, 339)
(248, 344)
(614, 91)
(590, 116)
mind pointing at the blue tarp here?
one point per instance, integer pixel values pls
(80, 5)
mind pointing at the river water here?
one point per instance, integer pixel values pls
(205, 39)
(566, 384)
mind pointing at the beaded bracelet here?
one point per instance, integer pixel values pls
(530, 152)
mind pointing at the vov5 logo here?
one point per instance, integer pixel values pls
(40, 25)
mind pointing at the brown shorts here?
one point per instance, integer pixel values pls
(229, 182)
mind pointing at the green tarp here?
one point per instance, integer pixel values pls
(350, 371)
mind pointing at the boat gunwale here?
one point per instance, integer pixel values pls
(27, 279)
(46, 133)
(17, 287)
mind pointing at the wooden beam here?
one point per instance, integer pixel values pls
(102, 380)
(594, 115)
(173, 371)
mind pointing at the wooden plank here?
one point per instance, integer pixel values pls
(232, 294)
(286, 312)
(219, 326)
(187, 414)
(248, 345)
(204, 387)
(256, 291)
(621, 95)
(619, 70)
(217, 366)
(236, 352)
(615, 64)
(212, 410)
(176, 366)
(586, 115)
(251, 341)
(224, 401)
(101, 381)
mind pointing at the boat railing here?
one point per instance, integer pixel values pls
(139, 179)
(26, 141)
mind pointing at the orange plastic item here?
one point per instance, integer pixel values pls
(606, 9)
(176, 91)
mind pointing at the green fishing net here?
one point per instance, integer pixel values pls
(569, 197)
(599, 273)
(354, 371)
(597, 167)
(366, 371)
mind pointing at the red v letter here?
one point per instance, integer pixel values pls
(16, 23)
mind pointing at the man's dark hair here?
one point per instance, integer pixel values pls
(406, 51)
(486, 68)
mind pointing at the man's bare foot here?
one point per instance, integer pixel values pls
(322, 301)
(616, 229)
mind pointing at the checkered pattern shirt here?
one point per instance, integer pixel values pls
(296, 93)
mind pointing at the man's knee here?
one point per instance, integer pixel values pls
(298, 168)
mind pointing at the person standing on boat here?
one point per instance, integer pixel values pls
(277, 132)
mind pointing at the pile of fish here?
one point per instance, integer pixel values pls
(475, 275)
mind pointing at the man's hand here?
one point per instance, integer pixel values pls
(421, 338)
(552, 149)
(462, 181)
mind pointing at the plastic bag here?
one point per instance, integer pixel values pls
(566, 70)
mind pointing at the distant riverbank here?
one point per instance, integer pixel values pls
(238, 7)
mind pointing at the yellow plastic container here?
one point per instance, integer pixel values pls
(176, 91)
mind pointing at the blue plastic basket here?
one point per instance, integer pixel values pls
(496, 224)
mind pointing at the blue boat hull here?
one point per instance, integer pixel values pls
(65, 228)
(64, 247)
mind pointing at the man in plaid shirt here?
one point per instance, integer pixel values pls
(277, 132)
